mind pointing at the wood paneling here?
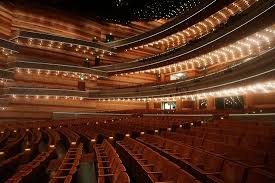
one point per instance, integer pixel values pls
(6, 19)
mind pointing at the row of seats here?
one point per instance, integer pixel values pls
(258, 137)
(4, 137)
(52, 137)
(208, 166)
(109, 165)
(26, 172)
(143, 160)
(68, 166)
(244, 155)
(12, 144)
(70, 137)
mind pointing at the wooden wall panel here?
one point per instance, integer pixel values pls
(73, 26)
(5, 20)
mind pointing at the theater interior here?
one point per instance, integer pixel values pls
(147, 91)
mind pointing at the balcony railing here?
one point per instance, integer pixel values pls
(259, 16)
(262, 66)
(65, 40)
(6, 44)
(43, 92)
(6, 75)
(204, 9)
(54, 67)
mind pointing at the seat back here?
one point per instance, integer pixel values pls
(122, 177)
(213, 163)
(259, 176)
(232, 172)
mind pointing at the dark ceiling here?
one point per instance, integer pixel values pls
(118, 11)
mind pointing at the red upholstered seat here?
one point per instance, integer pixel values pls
(231, 173)
(259, 176)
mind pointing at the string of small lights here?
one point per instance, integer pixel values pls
(243, 48)
(261, 87)
(73, 75)
(164, 9)
(201, 28)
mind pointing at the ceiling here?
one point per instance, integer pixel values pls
(118, 11)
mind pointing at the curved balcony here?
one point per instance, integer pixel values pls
(203, 10)
(64, 40)
(259, 16)
(262, 66)
(8, 46)
(258, 68)
(54, 67)
(6, 75)
(17, 91)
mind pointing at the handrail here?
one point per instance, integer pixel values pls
(6, 75)
(168, 27)
(246, 68)
(8, 45)
(44, 92)
(54, 67)
(67, 40)
(182, 52)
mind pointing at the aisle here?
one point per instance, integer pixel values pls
(87, 172)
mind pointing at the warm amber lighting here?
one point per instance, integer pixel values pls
(93, 140)
(27, 149)
(2, 153)
(142, 133)
(52, 146)
(111, 138)
(73, 143)
(127, 135)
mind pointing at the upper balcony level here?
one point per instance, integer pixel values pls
(247, 71)
(7, 47)
(188, 18)
(50, 40)
(257, 17)
(251, 70)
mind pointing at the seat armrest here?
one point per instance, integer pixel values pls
(154, 172)
(106, 175)
(102, 167)
(148, 165)
(103, 161)
(211, 173)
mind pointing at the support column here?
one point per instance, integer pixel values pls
(149, 105)
(211, 104)
(197, 104)
(178, 105)
(248, 101)
(162, 77)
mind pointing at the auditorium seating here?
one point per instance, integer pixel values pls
(157, 167)
(52, 137)
(225, 148)
(13, 144)
(109, 165)
(169, 150)
(69, 136)
(26, 172)
(69, 165)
